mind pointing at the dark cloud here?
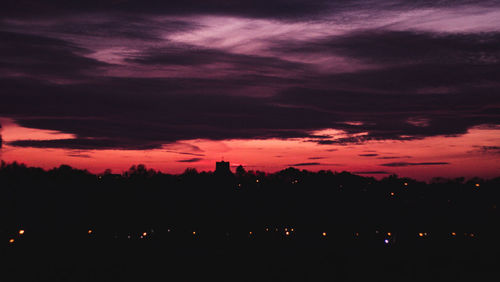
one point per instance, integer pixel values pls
(119, 26)
(421, 84)
(393, 157)
(403, 164)
(40, 56)
(281, 9)
(193, 160)
(368, 155)
(257, 8)
(186, 55)
(304, 164)
(316, 158)
(406, 47)
(85, 144)
(486, 149)
(76, 155)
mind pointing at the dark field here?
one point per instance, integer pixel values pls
(69, 225)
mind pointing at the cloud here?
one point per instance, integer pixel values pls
(368, 155)
(393, 157)
(69, 74)
(405, 47)
(79, 155)
(257, 8)
(404, 164)
(316, 158)
(305, 164)
(188, 55)
(486, 149)
(193, 160)
(41, 56)
(85, 144)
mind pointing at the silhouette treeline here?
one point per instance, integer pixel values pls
(73, 201)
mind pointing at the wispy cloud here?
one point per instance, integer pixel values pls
(403, 164)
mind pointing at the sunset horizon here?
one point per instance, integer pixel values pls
(393, 88)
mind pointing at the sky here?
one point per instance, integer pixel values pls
(370, 87)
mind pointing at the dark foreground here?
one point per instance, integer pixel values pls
(293, 225)
(291, 258)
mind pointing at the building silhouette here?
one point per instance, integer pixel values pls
(222, 168)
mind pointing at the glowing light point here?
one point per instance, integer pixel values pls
(389, 234)
(386, 241)
(21, 232)
(194, 233)
(144, 234)
(324, 234)
(406, 183)
(287, 233)
(89, 231)
(477, 185)
(11, 240)
(421, 234)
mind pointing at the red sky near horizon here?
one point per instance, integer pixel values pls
(419, 159)
(375, 89)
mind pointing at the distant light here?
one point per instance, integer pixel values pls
(168, 230)
(453, 234)
(389, 233)
(267, 229)
(472, 235)
(128, 236)
(356, 234)
(477, 185)
(21, 232)
(11, 240)
(194, 232)
(257, 181)
(286, 229)
(386, 241)
(392, 193)
(324, 234)
(291, 229)
(250, 233)
(89, 231)
(421, 234)
(144, 234)
(287, 233)
(406, 183)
